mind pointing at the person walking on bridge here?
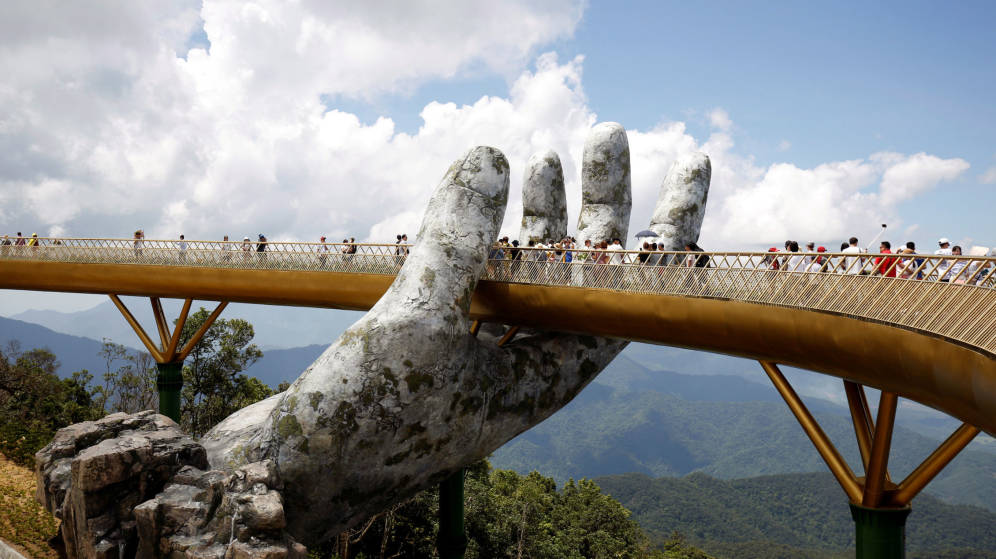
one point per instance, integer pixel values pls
(794, 262)
(137, 244)
(885, 265)
(323, 252)
(246, 249)
(182, 247)
(852, 264)
(955, 269)
(944, 265)
(261, 248)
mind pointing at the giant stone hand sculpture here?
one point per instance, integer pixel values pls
(407, 396)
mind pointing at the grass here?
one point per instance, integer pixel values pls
(23, 522)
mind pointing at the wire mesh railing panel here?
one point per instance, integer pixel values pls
(948, 295)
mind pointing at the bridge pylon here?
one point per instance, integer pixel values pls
(169, 354)
(879, 506)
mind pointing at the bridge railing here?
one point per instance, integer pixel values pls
(951, 296)
(954, 297)
(330, 257)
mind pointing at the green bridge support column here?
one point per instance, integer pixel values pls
(169, 381)
(879, 533)
(451, 542)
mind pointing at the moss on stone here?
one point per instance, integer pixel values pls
(288, 426)
(315, 399)
(588, 342)
(422, 447)
(429, 277)
(471, 404)
(417, 380)
(397, 458)
(344, 417)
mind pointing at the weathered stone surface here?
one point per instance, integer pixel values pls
(401, 400)
(137, 486)
(205, 514)
(544, 200)
(606, 196)
(406, 395)
(681, 204)
(94, 474)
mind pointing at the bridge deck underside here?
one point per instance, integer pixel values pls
(939, 371)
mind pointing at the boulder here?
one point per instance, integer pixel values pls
(136, 486)
(94, 474)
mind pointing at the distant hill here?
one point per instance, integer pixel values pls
(806, 514)
(608, 430)
(276, 327)
(634, 419)
(73, 352)
(279, 327)
(284, 365)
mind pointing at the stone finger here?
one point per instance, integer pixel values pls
(544, 200)
(681, 203)
(459, 227)
(606, 197)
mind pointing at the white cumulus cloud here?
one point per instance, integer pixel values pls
(989, 177)
(111, 122)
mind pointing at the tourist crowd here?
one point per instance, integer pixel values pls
(905, 262)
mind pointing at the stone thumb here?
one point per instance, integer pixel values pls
(458, 229)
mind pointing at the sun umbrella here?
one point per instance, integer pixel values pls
(647, 233)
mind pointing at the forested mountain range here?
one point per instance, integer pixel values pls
(635, 419)
(787, 516)
(611, 430)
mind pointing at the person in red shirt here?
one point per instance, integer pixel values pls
(885, 265)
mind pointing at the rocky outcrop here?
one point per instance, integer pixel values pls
(214, 515)
(93, 475)
(136, 486)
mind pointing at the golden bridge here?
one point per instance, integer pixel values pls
(920, 327)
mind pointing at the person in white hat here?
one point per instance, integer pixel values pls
(945, 265)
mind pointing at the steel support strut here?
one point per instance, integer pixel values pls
(879, 507)
(168, 354)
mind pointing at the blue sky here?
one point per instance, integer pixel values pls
(804, 83)
(822, 120)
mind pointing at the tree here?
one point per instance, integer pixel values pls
(129, 380)
(508, 516)
(35, 402)
(213, 387)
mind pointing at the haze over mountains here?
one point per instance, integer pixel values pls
(639, 415)
(276, 327)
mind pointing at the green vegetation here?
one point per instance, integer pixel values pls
(612, 430)
(213, 386)
(35, 403)
(512, 516)
(789, 515)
